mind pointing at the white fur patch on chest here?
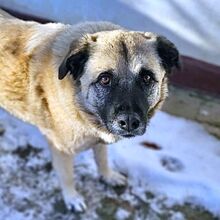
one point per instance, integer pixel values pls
(108, 138)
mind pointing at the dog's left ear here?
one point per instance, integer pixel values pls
(168, 53)
(74, 62)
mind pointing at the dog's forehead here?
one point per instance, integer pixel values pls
(121, 50)
(117, 41)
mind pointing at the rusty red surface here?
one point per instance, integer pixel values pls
(198, 75)
(195, 74)
(150, 145)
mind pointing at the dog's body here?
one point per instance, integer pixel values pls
(69, 112)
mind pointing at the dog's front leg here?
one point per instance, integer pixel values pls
(63, 165)
(107, 174)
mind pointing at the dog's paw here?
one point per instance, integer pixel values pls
(114, 178)
(76, 204)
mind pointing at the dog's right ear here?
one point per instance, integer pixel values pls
(74, 62)
(168, 54)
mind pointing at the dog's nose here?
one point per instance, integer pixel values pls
(128, 123)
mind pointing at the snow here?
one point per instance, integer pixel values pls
(122, 214)
(183, 168)
(193, 155)
(177, 216)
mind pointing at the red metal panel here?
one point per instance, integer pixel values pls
(198, 75)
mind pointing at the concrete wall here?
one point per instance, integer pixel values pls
(194, 105)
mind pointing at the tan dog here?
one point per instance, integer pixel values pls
(82, 86)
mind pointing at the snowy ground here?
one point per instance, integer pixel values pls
(172, 170)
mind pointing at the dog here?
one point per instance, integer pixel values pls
(83, 86)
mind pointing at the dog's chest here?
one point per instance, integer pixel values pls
(91, 140)
(84, 143)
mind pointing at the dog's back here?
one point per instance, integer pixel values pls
(4, 15)
(20, 62)
(13, 62)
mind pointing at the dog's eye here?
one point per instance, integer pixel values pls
(105, 79)
(147, 76)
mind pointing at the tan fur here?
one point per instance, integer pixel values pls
(29, 88)
(4, 14)
(30, 54)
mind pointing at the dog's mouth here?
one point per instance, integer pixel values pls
(112, 127)
(125, 134)
(128, 135)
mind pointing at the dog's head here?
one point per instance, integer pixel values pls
(120, 77)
